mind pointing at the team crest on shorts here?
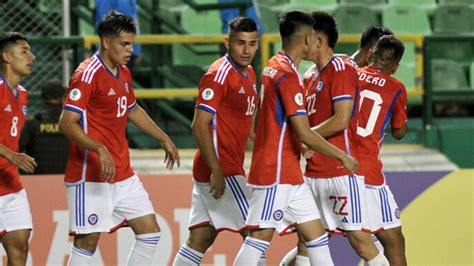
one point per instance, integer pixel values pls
(24, 109)
(278, 215)
(92, 219)
(397, 213)
(320, 86)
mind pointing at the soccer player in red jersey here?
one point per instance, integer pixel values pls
(222, 125)
(103, 191)
(382, 100)
(367, 41)
(339, 194)
(280, 199)
(15, 215)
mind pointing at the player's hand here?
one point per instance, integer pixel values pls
(306, 152)
(107, 165)
(23, 161)
(172, 154)
(350, 163)
(217, 183)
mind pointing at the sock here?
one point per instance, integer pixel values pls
(378, 260)
(302, 261)
(378, 244)
(289, 257)
(143, 250)
(251, 251)
(263, 260)
(318, 251)
(187, 256)
(79, 257)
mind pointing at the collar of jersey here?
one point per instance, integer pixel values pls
(229, 59)
(106, 68)
(10, 89)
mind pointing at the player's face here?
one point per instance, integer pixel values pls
(20, 58)
(310, 44)
(120, 48)
(316, 46)
(241, 47)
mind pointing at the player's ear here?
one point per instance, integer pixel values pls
(105, 43)
(226, 41)
(368, 56)
(394, 68)
(5, 56)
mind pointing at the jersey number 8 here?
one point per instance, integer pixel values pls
(14, 128)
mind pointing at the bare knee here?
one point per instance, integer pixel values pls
(16, 246)
(363, 245)
(88, 242)
(200, 239)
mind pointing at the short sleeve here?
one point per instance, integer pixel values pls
(291, 95)
(131, 93)
(211, 92)
(399, 113)
(343, 84)
(78, 93)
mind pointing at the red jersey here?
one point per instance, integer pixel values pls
(337, 81)
(277, 147)
(13, 114)
(103, 100)
(383, 99)
(230, 96)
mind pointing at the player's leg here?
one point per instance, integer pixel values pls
(16, 246)
(393, 242)
(254, 246)
(263, 259)
(16, 224)
(364, 246)
(199, 240)
(133, 204)
(83, 249)
(316, 241)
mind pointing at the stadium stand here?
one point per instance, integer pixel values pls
(447, 75)
(406, 19)
(353, 19)
(428, 5)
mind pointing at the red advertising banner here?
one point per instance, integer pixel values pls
(171, 196)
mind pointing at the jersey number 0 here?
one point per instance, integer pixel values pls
(374, 113)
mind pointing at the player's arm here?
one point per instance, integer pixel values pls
(20, 160)
(141, 119)
(68, 124)
(399, 133)
(200, 127)
(339, 121)
(317, 143)
(399, 118)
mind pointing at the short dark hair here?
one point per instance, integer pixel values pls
(242, 24)
(371, 35)
(388, 50)
(115, 23)
(292, 21)
(9, 38)
(326, 24)
(51, 89)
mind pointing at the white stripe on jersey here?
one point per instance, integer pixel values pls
(341, 96)
(219, 70)
(222, 72)
(21, 88)
(338, 64)
(91, 65)
(92, 73)
(280, 152)
(226, 70)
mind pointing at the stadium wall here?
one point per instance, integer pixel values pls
(437, 212)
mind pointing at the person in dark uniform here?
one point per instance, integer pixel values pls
(41, 137)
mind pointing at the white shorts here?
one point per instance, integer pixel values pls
(15, 212)
(382, 207)
(342, 202)
(104, 207)
(226, 213)
(281, 207)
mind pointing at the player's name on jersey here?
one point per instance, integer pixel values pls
(371, 80)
